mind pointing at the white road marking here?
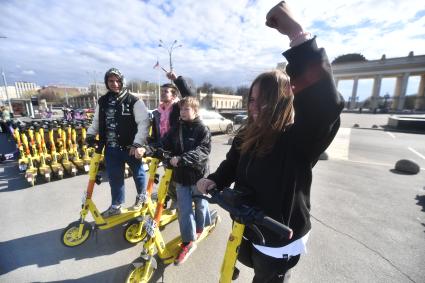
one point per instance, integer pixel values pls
(339, 147)
(391, 135)
(415, 152)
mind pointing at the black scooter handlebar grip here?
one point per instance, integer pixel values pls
(277, 227)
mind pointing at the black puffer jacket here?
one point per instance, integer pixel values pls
(194, 161)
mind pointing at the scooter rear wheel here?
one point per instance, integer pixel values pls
(140, 272)
(130, 232)
(70, 237)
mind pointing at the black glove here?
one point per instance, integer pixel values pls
(247, 215)
(149, 151)
(90, 140)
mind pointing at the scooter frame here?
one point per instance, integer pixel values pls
(77, 232)
(143, 267)
(226, 200)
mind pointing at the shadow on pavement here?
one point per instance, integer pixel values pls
(118, 274)
(46, 249)
(11, 179)
(401, 172)
(421, 201)
(113, 275)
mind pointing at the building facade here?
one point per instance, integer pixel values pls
(220, 101)
(24, 87)
(399, 68)
(11, 93)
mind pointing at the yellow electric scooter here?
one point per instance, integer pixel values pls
(230, 200)
(23, 158)
(143, 268)
(43, 168)
(73, 149)
(134, 232)
(84, 150)
(78, 232)
(33, 158)
(68, 166)
(57, 168)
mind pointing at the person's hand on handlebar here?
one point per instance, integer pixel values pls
(138, 152)
(174, 161)
(204, 185)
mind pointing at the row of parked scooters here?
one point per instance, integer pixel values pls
(52, 149)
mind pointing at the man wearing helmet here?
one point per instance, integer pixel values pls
(122, 121)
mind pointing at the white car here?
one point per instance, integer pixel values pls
(215, 122)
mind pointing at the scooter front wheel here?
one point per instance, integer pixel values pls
(70, 236)
(131, 232)
(141, 270)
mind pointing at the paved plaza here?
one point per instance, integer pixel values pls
(368, 220)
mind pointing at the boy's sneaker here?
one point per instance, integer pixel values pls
(111, 211)
(185, 252)
(140, 200)
(173, 207)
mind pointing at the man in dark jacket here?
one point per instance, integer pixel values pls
(122, 121)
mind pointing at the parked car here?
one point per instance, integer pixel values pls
(215, 122)
(240, 118)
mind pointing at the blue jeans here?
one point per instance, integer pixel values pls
(115, 159)
(191, 221)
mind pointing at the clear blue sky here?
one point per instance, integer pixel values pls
(223, 42)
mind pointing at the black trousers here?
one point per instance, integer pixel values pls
(267, 269)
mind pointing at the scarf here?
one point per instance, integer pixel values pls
(164, 121)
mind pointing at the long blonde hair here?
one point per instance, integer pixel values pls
(276, 113)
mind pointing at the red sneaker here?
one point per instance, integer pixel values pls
(185, 253)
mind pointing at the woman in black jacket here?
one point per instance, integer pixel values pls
(293, 116)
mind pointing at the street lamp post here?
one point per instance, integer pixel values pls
(95, 83)
(5, 89)
(170, 50)
(5, 83)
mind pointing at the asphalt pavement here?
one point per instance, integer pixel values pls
(368, 220)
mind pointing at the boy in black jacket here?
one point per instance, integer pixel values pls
(166, 116)
(190, 144)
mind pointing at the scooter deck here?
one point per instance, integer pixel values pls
(167, 217)
(207, 230)
(123, 217)
(173, 247)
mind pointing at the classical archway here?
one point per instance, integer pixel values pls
(399, 68)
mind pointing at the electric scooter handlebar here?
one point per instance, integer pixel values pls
(276, 227)
(245, 214)
(159, 153)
